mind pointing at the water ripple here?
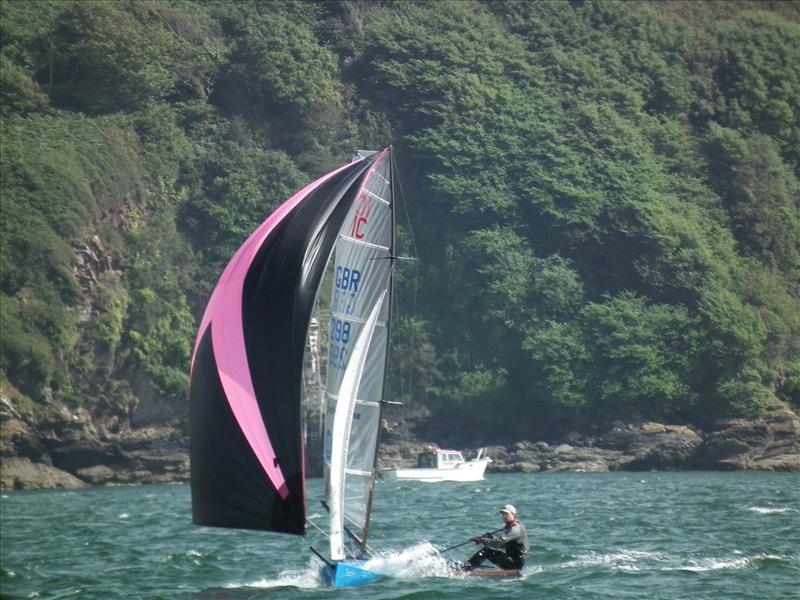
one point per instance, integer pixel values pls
(594, 536)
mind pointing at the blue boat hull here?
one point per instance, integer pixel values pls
(347, 574)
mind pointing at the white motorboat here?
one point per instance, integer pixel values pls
(440, 465)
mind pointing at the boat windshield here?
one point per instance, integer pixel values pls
(425, 460)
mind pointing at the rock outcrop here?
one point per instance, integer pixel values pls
(19, 473)
(629, 447)
(65, 449)
(770, 443)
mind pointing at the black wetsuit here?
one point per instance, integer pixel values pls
(514, 543)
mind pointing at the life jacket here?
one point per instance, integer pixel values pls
(516, 548)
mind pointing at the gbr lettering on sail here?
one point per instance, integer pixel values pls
(346, 284)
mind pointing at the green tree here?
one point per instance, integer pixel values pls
(243, 184)
(276, 59)
(758, 77)
(642, 357)
(734, 338)
(760, 194)
(559, 364)
(107, 61)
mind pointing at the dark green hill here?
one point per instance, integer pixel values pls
(604, 196)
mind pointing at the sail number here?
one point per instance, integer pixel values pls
(340, 330)
(347, 279)
(361, 217)
(340, 335)
(345, 290)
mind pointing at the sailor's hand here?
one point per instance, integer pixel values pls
(477, 539)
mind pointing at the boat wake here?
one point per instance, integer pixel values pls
(623, 560)
(416, 562)
(305, 578)
(424, 560)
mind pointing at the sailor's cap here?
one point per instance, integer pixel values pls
(509, 508)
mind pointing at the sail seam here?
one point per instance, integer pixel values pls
(357, 472)
(353, 240)
(358, 401)
(381, 177)
(352, 319)
(376, 197)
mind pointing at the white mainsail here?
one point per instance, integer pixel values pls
(360, 309)
(347, 404)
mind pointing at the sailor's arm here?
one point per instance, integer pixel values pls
(509, 535)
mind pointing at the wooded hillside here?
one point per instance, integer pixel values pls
(604, 197)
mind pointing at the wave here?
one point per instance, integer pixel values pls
(194, 557)
(424, 560)
(712, 564)
(624, 560)
(769, 510)
(636, 560)
(305, 578)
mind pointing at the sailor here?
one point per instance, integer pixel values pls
(507, 549)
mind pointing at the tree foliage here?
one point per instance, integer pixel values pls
(603, 195)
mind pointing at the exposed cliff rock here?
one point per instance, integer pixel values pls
(769, 443)
(20, 473)
(67, 449)
(629, 447)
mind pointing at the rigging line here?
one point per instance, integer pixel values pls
(352, 522)
(318, 528)
(405, 210)
(416, 281)
(361, 543)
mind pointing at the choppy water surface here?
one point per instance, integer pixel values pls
(593, 535)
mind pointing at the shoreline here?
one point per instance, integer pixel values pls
(68, 451)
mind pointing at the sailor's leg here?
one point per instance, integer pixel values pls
(503, 560)
(476, 560)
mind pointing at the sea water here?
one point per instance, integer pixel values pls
(593, 535)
